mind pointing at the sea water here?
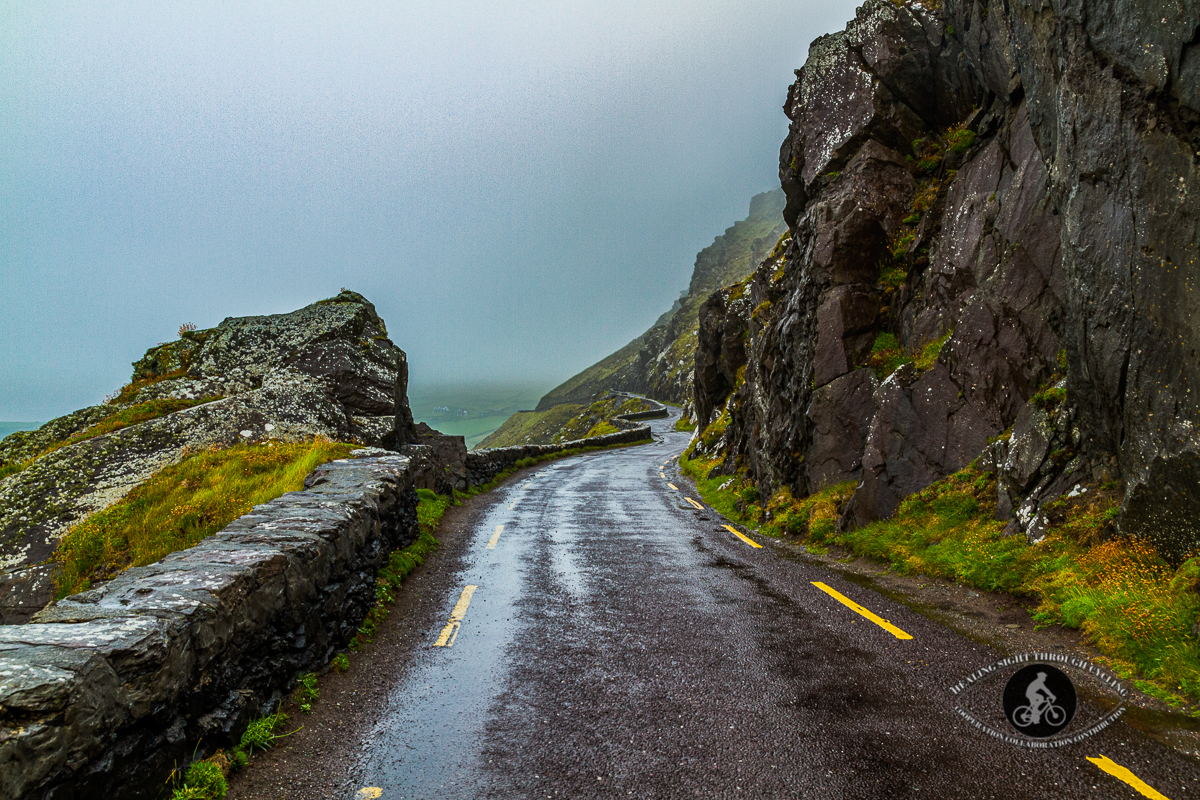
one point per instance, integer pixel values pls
(8, 427)
(471, 410)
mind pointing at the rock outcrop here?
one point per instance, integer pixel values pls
(325, 370)
(984, 202)
(658, 363)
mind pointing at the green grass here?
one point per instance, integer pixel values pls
(927, 357)
(182, 504)
(307, 691)
(532, 427)
(203, 780)
(815, 517)
(728, 495)
(262, 733)
(887, 355)
(685, 424)
(1131, 604)
(960, 139)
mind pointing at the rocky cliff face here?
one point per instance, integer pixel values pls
(325, 370)
(993, 218)
(658, 363)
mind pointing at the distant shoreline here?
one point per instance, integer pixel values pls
(7, 427)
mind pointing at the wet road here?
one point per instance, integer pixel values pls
(619, 642)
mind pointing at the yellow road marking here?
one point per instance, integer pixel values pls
(662, 475)
(743, 536)
(450, 632)
(495, 537)
(694, 503)
(368, 793)
(674, 488)
(512, 505)
(853, 606)
(1122, 774)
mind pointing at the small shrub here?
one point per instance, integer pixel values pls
(1049, 398)
(340, 662)
(186, 327)
(203, 780)
(262, 732)
(893, 277)
(960, 139)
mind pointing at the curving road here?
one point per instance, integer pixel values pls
(620, 642)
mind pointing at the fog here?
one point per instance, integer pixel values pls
(520, 188)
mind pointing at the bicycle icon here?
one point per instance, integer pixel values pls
(1024, 716)
(1039, 700)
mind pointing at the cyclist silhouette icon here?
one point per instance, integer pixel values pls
(1049, 700)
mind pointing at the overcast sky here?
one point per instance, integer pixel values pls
(519, 187)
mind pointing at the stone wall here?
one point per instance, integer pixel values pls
(484, 465)
(105, 692)
(102, 694)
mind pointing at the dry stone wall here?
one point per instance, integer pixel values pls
(105, 692)
(102, 694)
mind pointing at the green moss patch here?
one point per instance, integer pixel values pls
(886, 355)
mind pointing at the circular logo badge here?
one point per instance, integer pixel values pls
(1039, 700)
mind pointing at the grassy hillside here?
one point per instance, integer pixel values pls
(532, 427)
(659, 362)
(564, 423)
(184, 503)
(586, 384)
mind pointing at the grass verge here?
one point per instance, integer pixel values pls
(182, 504)
(731, 496)
(1137, 609)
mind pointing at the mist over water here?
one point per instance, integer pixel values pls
(471, 410)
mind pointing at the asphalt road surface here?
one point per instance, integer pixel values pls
(599, 635)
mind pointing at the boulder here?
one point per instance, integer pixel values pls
(325, 370)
